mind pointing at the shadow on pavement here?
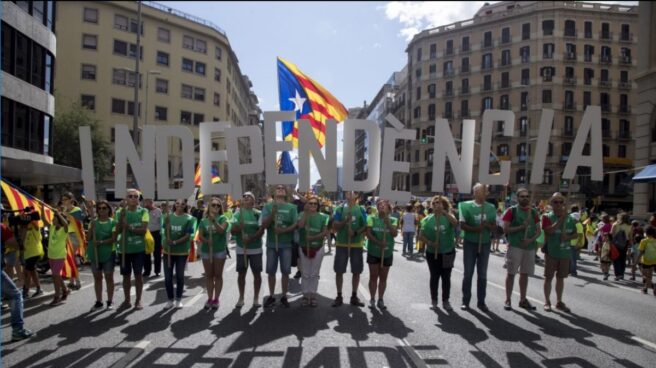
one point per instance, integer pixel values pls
(453, 323)
(506, 331)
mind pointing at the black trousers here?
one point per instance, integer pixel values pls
(437, 271)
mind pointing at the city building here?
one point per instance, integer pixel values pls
(525, 56)
(188, 73)
(644, 194)
(29, 50)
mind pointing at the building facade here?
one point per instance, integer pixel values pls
(526, 56)
(644, 198)
(188, 73)
(29, 49)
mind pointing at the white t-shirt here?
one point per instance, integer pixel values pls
(154, 219)
(409, 222)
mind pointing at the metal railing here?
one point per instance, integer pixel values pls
(181, 14)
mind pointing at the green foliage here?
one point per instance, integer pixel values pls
(66, 140)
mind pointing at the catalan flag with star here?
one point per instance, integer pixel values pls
(310, 100)
(215, 176)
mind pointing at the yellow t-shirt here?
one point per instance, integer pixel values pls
(648, 246)
(32, 243)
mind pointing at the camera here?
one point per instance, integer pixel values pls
(16, 217)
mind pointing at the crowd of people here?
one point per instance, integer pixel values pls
(145, 238)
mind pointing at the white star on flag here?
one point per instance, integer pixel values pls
(298, 102)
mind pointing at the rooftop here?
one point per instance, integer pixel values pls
(184, 15)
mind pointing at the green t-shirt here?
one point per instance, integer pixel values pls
(556, 248)
(287, 216)
(470, 213)
(134, 243)
(103, 230)
(358, 222)
(447, 234)
(251, 225)
(379, 230)
(180, 226)
(57, 243)
(518, 217)
(314, 225)
(218, 240)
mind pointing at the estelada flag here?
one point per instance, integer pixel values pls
(215, 176)
(310, 100)
(78, 232)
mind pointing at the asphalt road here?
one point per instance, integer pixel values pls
(612, 324)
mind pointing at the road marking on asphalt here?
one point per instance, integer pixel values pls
(195, 298)
(131, 355)
(364, 292)
(412, 353)
(644, 342)
(232, 266)
(501, 287)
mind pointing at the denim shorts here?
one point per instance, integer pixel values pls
(107, 266)
(342, 257)
(215, 255)
(285, 257)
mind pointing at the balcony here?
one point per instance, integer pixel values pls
(487, 66)
(447, 93)
(625, 59)
(504, 62)
(433, 56)
(587, 81)
(605, 134)
(465, 49)
(525, 82)
(487, 87)
(432, 76)
(569, 80)
(547, 78)
(567, 133)
(465, 114)
(524, 107)
(503, 85)
(526, 59)
(569, 106)
(606, 36)
(626, 37)
(447, 115)
(625, 85)
(624, 135)
(448, 52)
(464, 91)
(548, 55)
(606, 83)
(587, 58)
(464, 69)
(618, 161)
(487, 45)
(449, 73)
(505, 106)
(624, 109)
(605, 107)
(605, 59)
(587, 34)
(569, 56)
(505, 40)
(570, 33)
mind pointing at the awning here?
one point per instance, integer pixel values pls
(647, 175)
(38, 173)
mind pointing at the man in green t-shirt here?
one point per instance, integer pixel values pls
(279, 219)
(350, 224)
(477, 220)
(247, 231)
(521, 225)
(559, 229)
(132, 227)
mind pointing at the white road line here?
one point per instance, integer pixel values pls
(195, 298)
(131, 355)
(412, 353)
(365, 293)
(644, 342)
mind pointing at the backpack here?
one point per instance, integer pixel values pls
(620, 240)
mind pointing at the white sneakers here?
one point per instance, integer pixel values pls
(178, 304)
(169, 304)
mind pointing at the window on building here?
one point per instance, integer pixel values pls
(526, 78)
(487, 39)
(587, 29)
(121, 22)
(431, 90)
(198, 118)
(419, 54)
(130, 108)
(604, 101)
(587, 98)
(217, 74)
(546, 96)
(464, 108)
(505, 35)
(417, 112)
(418, 73)
(91, 15)
(448, 110)
(548, 177)
(88, 101)
(486, 103)
(187, 91)
(606, 54)
(525, 54)
(621, 151)
(199, 94)
(433, 51)
(526, 31)
(624, 76)
(465, 44)
(415, 178)
(161, 113)
(132, 51)
(162, 86)
(547, 27)
(120, 47)
(505, 102)
(570, 28)
(431, 112)
(188, 42)
(547, 51)
(118, 106)
(502, 149)
(448, 88)
(625, 34)
(524, 101)
(464, 66)
(200, 68)
(185, 117)
(200, 46)
(448, 68)
(464, 86)
(217, 99)
(217, 53)
(604, 75)
(486, 61)
(187, 65)
(605, 31)
(89, 42)
(163, 35)
(162, 58)
(134, 26)
(88, 72)
(505, 57)
(588, 75)
(449, 47)
(487, 82)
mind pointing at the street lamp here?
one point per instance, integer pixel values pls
(150, 72)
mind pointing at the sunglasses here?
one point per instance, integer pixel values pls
(133, 196)
(103, 208)
(313, 203)
(215, 205)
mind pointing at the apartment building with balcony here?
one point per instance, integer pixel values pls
(29, 50)
(525, 56)
(189, 73)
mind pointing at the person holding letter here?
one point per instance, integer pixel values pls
(437, 232)
(248, 236)
(176, 248)
(478, 221)
(101, 252)
(312, 230)
(381, 231)
(279, 219)
(213, 238)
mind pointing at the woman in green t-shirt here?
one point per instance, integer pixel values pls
(247, 233)
(440, 250)
(57, 255)
(381, 231)
(312, 229)
(101, 239)
(213, 232)
(178, 228)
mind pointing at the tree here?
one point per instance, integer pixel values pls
(66, 140)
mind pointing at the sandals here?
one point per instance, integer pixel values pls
(526, 305)
(55, 302)
(547, 308)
